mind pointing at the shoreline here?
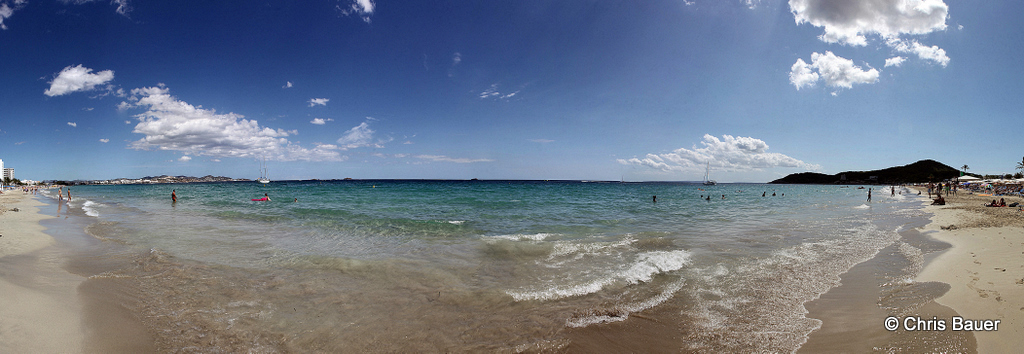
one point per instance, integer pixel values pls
(853, 314)
(40, 311)
(984, 267)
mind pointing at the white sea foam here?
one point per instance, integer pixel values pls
(862, 206)
(642, 269)
(566, 248)
(520, 237)
(89, 208)
(627, 309)
(456, 222)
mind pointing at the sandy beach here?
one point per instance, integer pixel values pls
(40, 310)
(984, 267)
(46, 308)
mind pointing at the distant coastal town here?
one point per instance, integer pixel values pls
(154, 180)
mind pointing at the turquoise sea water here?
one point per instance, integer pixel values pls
(477, 265)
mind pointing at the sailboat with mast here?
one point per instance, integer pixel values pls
(707, 181)
(263, 172)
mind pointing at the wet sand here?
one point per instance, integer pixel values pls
(853, 313)
(977, 274)
(39, 309)
(984, 267)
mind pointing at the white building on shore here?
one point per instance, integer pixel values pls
(8, 173)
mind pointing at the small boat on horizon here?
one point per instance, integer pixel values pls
(263, 172)
(707, 170)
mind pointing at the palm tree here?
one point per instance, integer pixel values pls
(965, 168)
(1020, 165)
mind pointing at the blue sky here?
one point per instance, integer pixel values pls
(609, 90)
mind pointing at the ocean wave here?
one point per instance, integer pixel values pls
(642, 269)
(567, 248)
(520, 237)
(89, 208)
(760, 303)
(622, 312)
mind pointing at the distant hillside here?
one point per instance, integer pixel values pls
(918, 172)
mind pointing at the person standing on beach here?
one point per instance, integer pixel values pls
(174, 197)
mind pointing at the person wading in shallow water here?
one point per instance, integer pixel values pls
(869, 194)
(174, 197)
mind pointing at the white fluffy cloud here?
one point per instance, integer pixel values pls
(5, 13)
(895, 61)
(730, 154)
(171, 124)
(802, 74)
(287, 84)
(73, 124)
(849, 22)
(104, 140)
(836, 71)
(933, 53)
(185, 158)
(318, 101)
(77, 78)
(362, 8)
(855, 23)
(360, 136)
(321, 121)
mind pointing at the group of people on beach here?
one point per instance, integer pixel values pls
(938, 189)
(60, 193)
(1001, 203)
(654, 199)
